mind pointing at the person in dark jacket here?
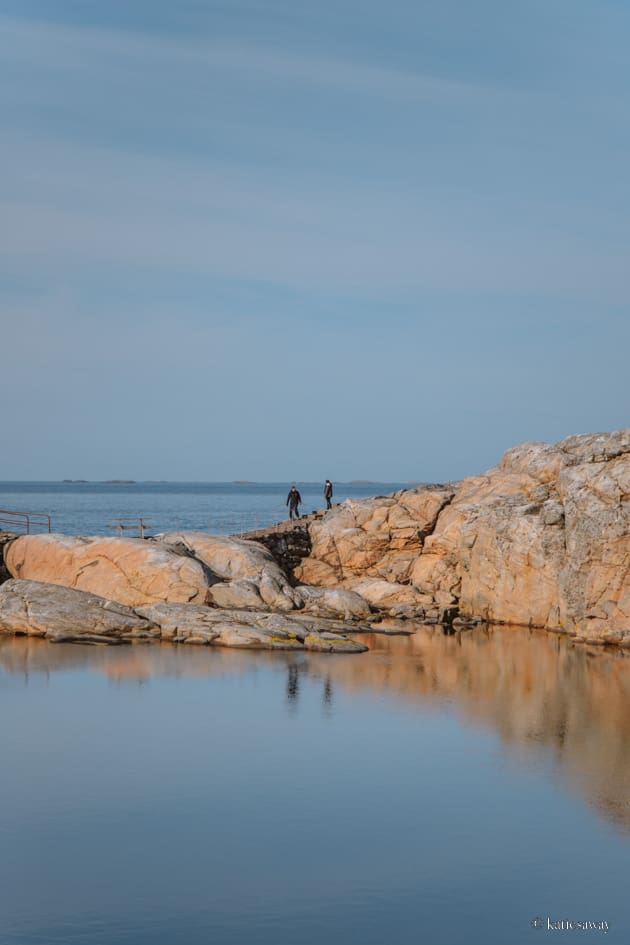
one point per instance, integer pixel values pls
(293, 500)
(328, 493)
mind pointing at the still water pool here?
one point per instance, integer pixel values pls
(437, 789)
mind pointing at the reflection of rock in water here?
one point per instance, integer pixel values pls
(537, 690)
(131, 663)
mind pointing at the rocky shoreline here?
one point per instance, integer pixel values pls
(542, 540)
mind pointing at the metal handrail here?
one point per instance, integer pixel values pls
(138, 524)
(25, 519)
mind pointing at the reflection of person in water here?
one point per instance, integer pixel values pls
(327, 695)
(293, 682)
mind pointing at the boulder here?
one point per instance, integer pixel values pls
(333, 602)
(130, 570)
(242, 595)
(236, 560)
(61, 614)
(393, 598)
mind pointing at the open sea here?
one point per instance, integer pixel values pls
(436, 790)
(93, 508)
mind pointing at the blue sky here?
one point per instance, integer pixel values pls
(273, 240)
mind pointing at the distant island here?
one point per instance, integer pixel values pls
(243, 482)
(109, 482)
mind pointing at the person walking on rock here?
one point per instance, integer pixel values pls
(293, 500)
(328, 493)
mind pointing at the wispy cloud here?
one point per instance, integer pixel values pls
(90, 205)
(198, 203)
(72, 49)
(122, 148)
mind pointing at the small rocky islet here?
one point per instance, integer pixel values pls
(541, 540)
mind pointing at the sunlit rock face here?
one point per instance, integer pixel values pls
(555, 551)
(542, 540)
(376, 538)
(250, 578)
(249, 568)
(128, 570)
(176, 568)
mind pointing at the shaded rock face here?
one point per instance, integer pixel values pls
(5, 538)
(541, 540)
(183, 623)
(129, 570)
(63, 614)
(288, 546)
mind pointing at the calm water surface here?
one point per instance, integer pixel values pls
(437, 789)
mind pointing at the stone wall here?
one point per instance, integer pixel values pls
(289, 543)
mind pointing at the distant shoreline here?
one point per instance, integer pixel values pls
(263, 483)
